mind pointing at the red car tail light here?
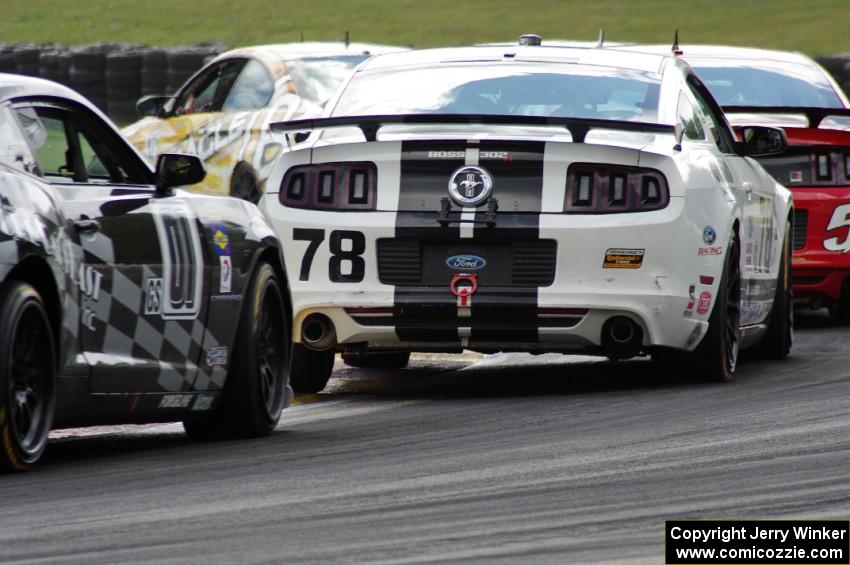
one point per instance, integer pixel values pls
(819, 166)
(330, 186)
(823, 166)
(596, 188)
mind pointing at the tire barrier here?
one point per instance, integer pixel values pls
(27, 59)
(184, 61)
(7, 59)
(154, 71)
(112, 75)
(123, 84)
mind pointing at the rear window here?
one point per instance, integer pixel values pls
(563, 90)
(766, 83)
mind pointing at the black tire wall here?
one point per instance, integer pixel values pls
(112, 75)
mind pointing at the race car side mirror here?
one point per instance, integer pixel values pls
(152, 105)
(177, 169)
(762, 141)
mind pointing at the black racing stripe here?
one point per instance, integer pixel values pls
(431, 314)
(508, 315)
(517, 171)
(426, 167)
(504, 312)
(426, 314)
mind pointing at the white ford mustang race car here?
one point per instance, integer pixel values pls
(530, 198)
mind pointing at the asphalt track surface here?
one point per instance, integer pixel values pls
(507, 458)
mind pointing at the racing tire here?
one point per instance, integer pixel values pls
(27, 377)
(154, 69)
(244, 184)
(311, 370)
(377, 360)
(777, 341)
(839, 312)
(255, 391)
(717, 354)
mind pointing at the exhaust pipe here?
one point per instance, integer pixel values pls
(318, 332)
(621, 338)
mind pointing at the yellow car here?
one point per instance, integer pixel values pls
(223, 112)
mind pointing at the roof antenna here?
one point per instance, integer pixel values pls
(346, 40)
(601, 41)
(676, 50)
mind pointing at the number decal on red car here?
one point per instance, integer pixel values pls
(840, 219)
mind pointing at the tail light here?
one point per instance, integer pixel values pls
(810, 166)
(594, 188)
(330, 186)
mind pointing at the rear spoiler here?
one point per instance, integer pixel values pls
(814, 115)
(370, 125)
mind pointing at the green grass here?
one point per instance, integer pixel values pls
(816, 27)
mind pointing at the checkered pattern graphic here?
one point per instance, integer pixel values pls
(176, 346)
(9, 252)
(173, 350)
(60, 252)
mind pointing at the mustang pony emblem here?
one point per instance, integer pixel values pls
(470, 186)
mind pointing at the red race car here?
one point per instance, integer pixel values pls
(792, 91)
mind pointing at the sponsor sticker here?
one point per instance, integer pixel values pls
(795, 176)
(709, 235)
(221, 239)
(217, 356)
(697, 331)
(704, 303)
(225, 274)
(689, 309)
(175, 400)
(203, 401)
(709, 251)
(153, 296)
(225, 297)
(618, 258)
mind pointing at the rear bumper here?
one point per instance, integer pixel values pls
(818, 273)
(669, 296)
(819, 285)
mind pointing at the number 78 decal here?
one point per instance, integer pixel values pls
(840, 218)
(339, 256)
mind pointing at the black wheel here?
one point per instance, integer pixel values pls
(27, 375)
(840, 311)
(244, 184)
(255, 390)
(715, 357)
(311, 370)
(776, 343)
(377, 360)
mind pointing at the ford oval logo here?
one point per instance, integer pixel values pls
(466, 262)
